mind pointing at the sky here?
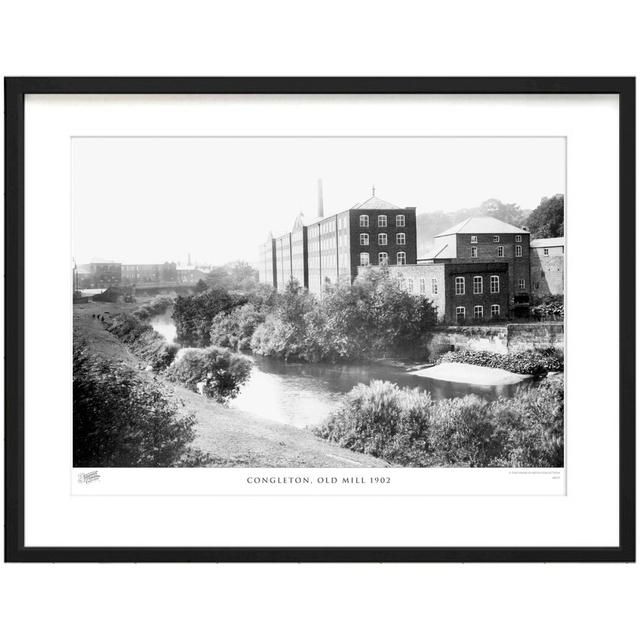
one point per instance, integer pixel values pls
(142, 200)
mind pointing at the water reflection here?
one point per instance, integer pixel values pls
(304, 394)
(165, 326)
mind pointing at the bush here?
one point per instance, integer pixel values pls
(141, 338)
(236, 328)
(408, 428)
(217, 371)
(154, 307)
(121, 419)
(533, 362)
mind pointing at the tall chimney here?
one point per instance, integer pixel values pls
(320, 199)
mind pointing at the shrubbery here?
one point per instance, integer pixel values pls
(155, 307)
(216, 372)
(121, 419)
(406, 427)
(141, 338)
(534, 362)
(236, 328)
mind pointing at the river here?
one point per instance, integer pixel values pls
(303, 394)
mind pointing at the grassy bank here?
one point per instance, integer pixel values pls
(533, 362)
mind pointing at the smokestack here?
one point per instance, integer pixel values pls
(320, 199)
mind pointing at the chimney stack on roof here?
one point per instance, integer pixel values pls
(320, 199)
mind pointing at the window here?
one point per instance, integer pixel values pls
(460, 312)
(518, 251)
(518, 238)
(495, 310)
(410, 285)
(400, 221)
(474, 252)
(364, 221)
(382, 221)
(521, 284)
(474, 239)
(494, 284)
(364, 259)
(423, 285)
(382, 238)
(496, 238)
(477, 284)
(401, 257)
(364, 239)
(546, 252)
(478, 312)
(500, 252)
(434, 285)
(383, 258)
(401, 238)
(460, 286)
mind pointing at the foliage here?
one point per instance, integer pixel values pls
(407, 427)
(121, 419)
(141, 338)
(547, 219)
(154, 307)
(216, 372)
(532, 362)
(374, 317)
(235, 276)
(193, 315)
(235, 328)
(201, 286)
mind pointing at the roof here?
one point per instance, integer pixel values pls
(482, 224)
(440, 251)
(375, 203)
(547, 242)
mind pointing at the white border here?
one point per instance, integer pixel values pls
(586, 516)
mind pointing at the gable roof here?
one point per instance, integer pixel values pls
(547, 242)
(482, 224)
(440, 251)
(374, 203)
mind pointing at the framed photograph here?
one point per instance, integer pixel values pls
(320, 319)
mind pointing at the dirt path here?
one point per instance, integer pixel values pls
(234, 437)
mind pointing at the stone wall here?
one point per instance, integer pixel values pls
(510, 338)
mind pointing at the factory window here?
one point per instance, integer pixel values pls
(364, 221)
(410, 285)
(459, 286)
(382, 238)
(496, 238)
(518, 251)
(423, 285)
(400, 221)
(401, 238)
(383, 258)
(500, 252)
(495, 310)
(364, 259)
(460, 312)
(518, 238)
(474, 252)
(546, 252)
(494, 285)
(478, 312)
(477, 284)
(364, 239)
(474, 239)
(434, 285)
(401, 257)
(521, 284)
(382, 221)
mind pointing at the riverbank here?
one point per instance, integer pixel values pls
(469, 374)
(231, 436)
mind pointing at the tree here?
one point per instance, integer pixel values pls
(547, 219)
(201, 286)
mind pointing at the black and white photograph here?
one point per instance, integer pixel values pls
(318, 302)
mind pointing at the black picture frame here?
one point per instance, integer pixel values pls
(15, 91)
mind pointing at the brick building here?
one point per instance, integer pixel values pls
(138, 274)
(487, 240)
(267, 262)
(98, 275)
(329, 250)
(547, 267)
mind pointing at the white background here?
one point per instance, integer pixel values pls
(363, 38)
